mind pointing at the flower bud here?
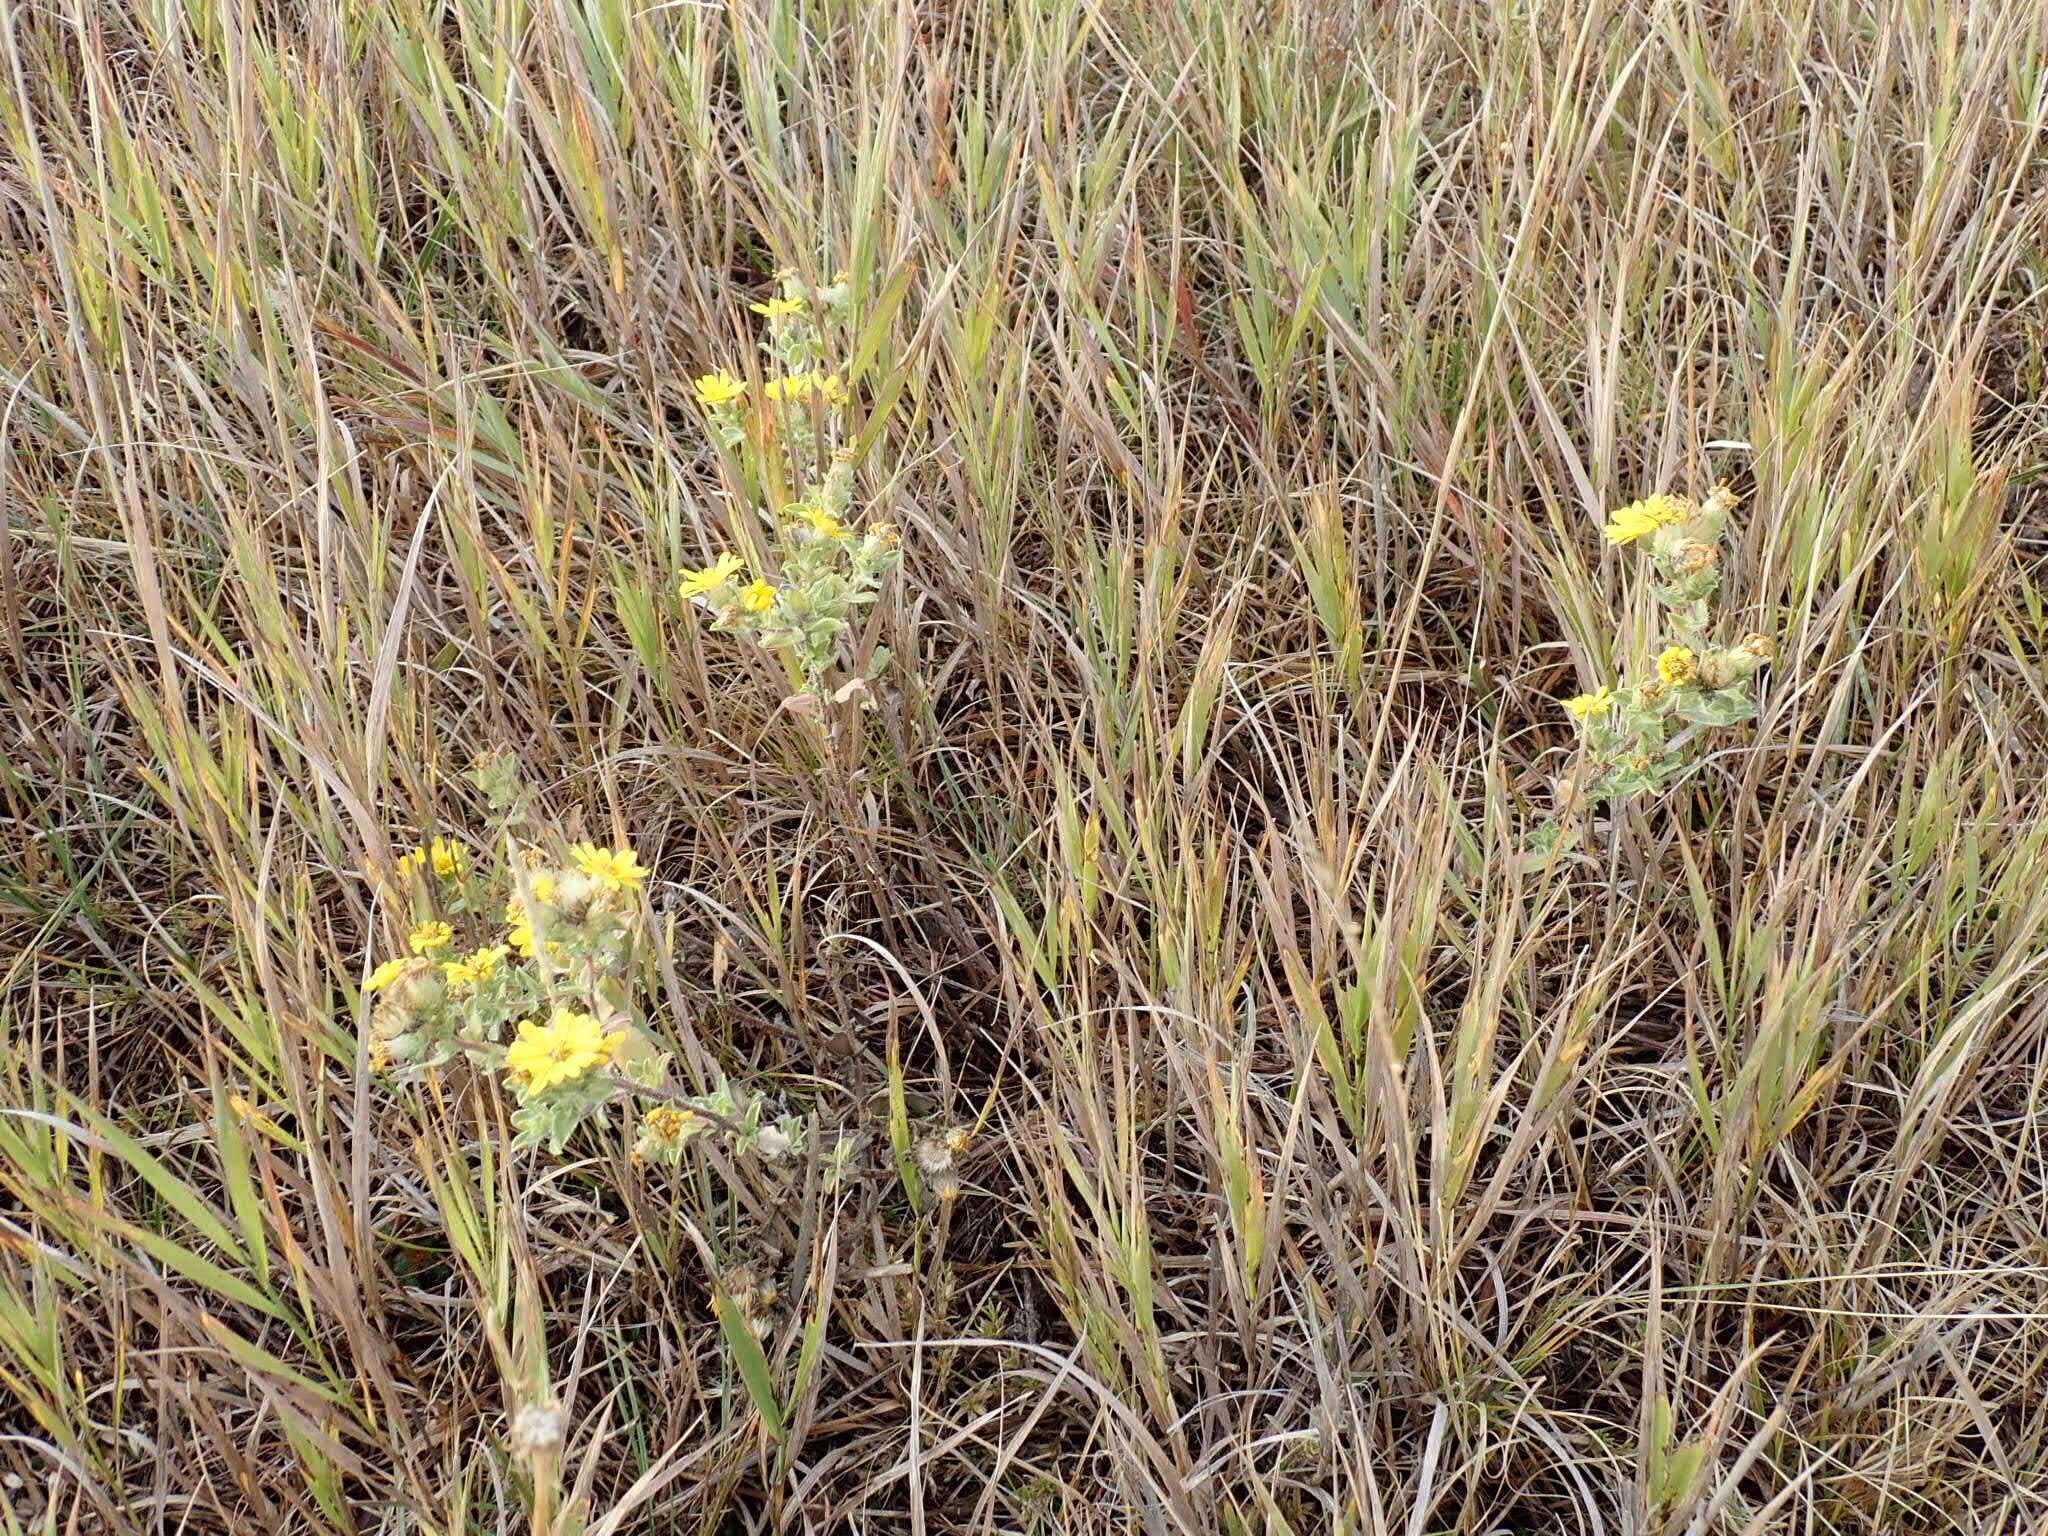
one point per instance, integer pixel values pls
(1692, 558)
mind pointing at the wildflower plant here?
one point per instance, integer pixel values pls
(1638, 734)
(822, 569)
(532, 979)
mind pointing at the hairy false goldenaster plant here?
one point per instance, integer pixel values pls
(1637, 734)
(819, 569)
(545, 1000)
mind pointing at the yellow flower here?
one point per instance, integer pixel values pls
(801, 386)
(616, 869)
(1585, 705)
(712, 577)
(668, 1122)
(448, 859)
(543, 887)
(777, 309)
(720, 388)
(1678, 666)
(560, 1051)
(1640, 519)
(820, 521)
(757, 597)
(428, 937)
(478, 967)
(519, 933)
(384, 975)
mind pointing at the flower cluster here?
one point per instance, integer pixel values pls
(545, 1003)
(448, 860)
(821, 570)
(557, 977)
(1634, 734)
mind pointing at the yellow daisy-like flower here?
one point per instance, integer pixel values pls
(777, 309)
(560, 1051)
(446, 858)
(712, 577)
(543, 887)
(830, 386)
(1640, 519)
(820, 521)
(428, 937)
(476, 968)
(519, 932)
(720, 388)
(1678, 666)
(616, 869)
(1586, 705)
(384, 975)
(757, 597)
(790, 387)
